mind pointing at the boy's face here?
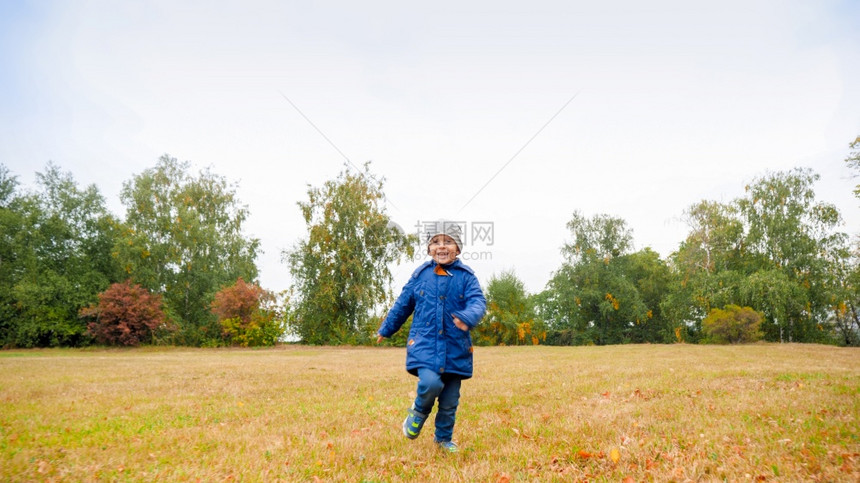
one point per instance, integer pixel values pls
(443, 249)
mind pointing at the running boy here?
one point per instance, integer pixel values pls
(447, 303)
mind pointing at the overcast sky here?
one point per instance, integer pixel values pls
(675, 102)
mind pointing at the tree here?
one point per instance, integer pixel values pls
(127, 315)
(732, 325)
(511, 317)
(707, 267)
(56, 258)
(846, 302)
(715, 239)
(791, 244)
(652, 278)
(248, 315)
(602, 293)
(847, 306)
(779, 298)
(775, 249)
(341, 270)
(853, 161)
(11, 222)
(185, 239)
(601, 237)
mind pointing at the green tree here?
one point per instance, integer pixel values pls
(706, 268)
(846, 315)
(341, 270)
(775, 249)
(846, 303)
(11, 224)
(790, 244)
(57, 257)
(652, 279)
(185, 239)
(732, 325)
(853, 161)
(511, 318)
(601, 237)
(603, 293)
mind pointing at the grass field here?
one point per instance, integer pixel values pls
(621, 413)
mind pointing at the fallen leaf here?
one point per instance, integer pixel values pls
(614, 455)
(628, 479)
(584, 454)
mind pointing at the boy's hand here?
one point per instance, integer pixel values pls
(460, 324)
(379, 338)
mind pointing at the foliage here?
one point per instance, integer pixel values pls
(603, 294)
(398, 339)
(706, 267)
(11, 223)
(651, 278)
(341, 271)
(775, 249)
(126, 315)
(184, 239)
(248, 315)
(789, 232)
(55, 253)
(853, 161)
(601, 237)
(846, 307)
(511, 318)
(732, 325)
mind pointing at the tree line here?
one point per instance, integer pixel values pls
(179, 269)
(71, 273)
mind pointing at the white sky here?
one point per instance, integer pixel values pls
(676, 103)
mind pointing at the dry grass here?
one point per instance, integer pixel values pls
(623, 413)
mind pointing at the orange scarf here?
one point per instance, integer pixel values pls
(440, 271)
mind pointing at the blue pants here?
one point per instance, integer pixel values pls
(445, 388)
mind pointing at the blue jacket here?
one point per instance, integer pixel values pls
(434, 341)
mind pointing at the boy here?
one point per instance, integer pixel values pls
(447, 303)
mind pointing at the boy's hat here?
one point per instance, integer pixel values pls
(445, 227)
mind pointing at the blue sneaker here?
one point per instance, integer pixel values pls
(448, 446)
(413, 423)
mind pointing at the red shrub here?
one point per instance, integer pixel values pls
(240, 300)
(125, 315)
(247, 315)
